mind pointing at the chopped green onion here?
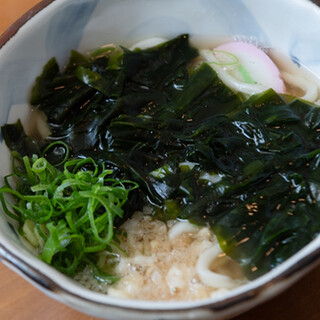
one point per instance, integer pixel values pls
(67, 216)
(229, 59)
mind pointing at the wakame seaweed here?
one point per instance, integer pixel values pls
(198, 151)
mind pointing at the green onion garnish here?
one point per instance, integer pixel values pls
(66, 215)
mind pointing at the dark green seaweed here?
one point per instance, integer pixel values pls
(146, 113)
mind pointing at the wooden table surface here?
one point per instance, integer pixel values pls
(21, 301)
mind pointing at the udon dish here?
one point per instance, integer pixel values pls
(172, 170)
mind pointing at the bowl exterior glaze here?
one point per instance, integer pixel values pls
(291, 26)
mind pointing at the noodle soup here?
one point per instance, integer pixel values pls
(200, 163)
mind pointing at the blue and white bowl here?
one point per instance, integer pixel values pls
(55, 27)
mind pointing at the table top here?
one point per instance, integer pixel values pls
(19, 300)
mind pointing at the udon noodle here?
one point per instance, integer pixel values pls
(168, 261)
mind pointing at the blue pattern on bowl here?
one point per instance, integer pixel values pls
(237, 20)
(66, 27)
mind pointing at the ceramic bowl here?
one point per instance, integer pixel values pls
(55, 27)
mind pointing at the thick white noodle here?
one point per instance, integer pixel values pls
(230, 81)
(181, 227)
(148, 43)
(209, 277)
(309, 87)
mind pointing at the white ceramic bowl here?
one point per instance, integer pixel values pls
(291, 26)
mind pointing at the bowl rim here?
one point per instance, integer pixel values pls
(28, 266)
(16, 25)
